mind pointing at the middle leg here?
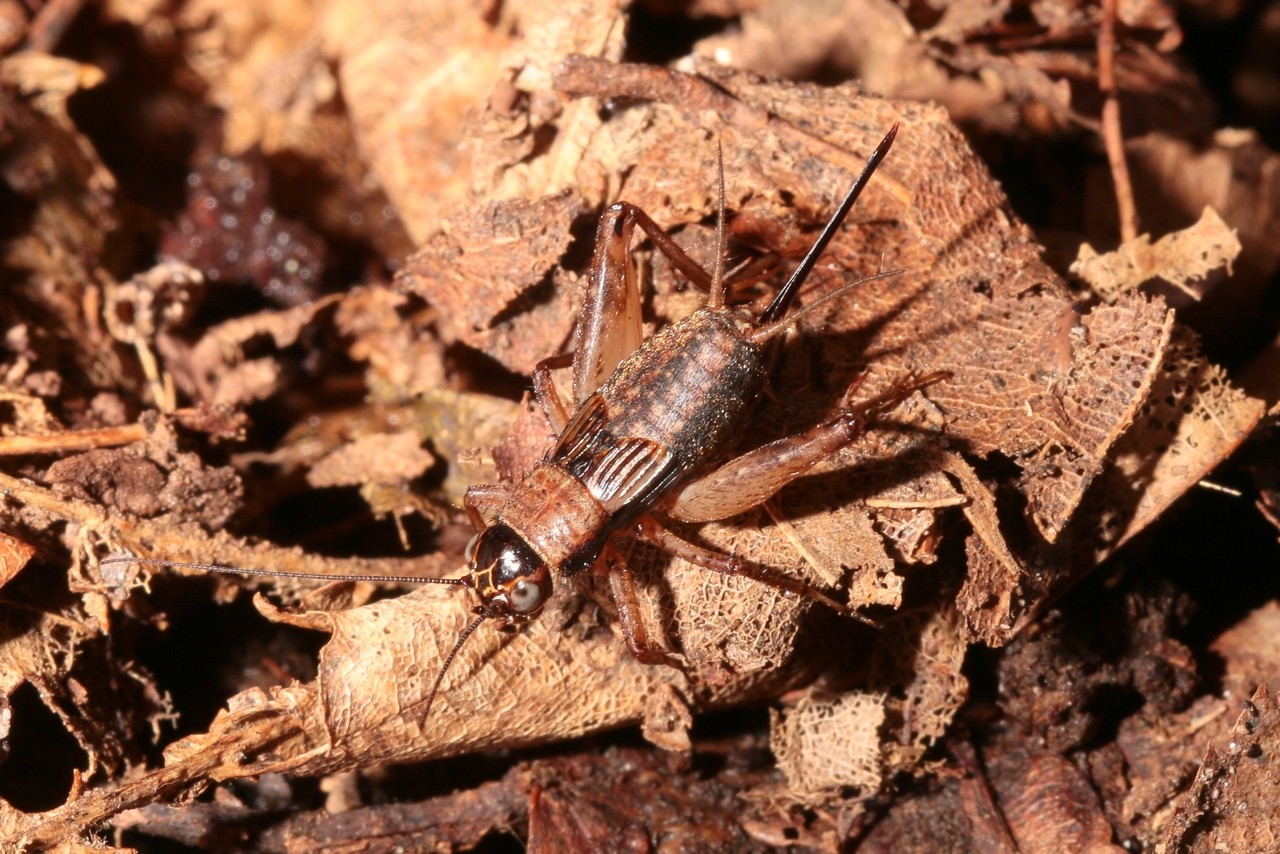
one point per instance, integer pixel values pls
(623, 586)
(654, 532)
(544, 390)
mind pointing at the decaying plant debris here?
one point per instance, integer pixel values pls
(280, 310)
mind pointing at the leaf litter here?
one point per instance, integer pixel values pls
(1066, 427)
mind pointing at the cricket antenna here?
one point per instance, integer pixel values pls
(716, 297)
(320, 576)
(764, 333)
(448, 661)
(787, 295)
(274, 573)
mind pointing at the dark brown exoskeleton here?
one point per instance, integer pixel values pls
(650, 420)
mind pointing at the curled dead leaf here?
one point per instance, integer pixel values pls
(1184, 259)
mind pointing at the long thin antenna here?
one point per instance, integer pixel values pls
(783, 300)
(716, 298)
(764, 333)
(444, 668)
(320, 576)
(271, 573)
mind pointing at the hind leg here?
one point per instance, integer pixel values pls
(753, 478)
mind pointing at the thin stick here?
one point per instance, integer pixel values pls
(1112, 133)
(72, 440)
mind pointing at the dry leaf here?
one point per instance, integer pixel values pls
(1232, 803)
(1184, 259)
(979, 274)
(488, 266)
(995, 65)
(14, 555)
(394, 458)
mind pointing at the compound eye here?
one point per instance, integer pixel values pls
(525, 597)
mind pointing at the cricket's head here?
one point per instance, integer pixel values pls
(510, 582)
(507, 576)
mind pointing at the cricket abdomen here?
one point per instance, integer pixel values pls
(688, 387)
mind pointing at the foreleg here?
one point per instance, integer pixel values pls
(622, 584)
(483, 501)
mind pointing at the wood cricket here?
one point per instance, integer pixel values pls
(643, 441)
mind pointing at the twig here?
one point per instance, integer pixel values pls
(986, 820)
(50, 23)
(1112, 134)
(72, 440)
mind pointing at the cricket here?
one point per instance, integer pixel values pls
(644, 440)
